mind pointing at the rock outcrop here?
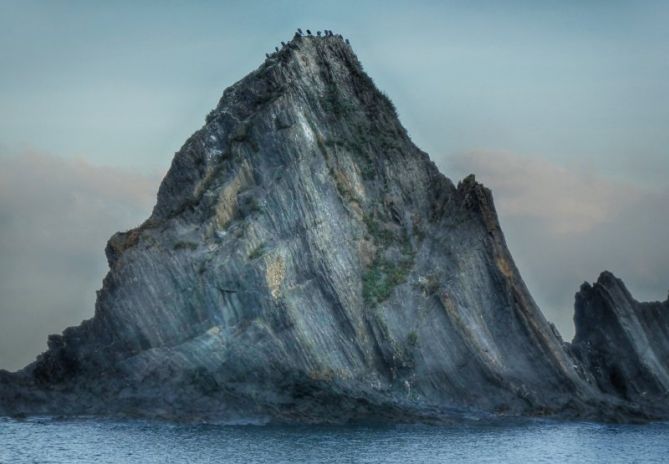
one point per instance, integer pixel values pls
(624, 344)
(305, 261)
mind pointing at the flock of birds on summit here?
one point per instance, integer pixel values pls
(299, 34)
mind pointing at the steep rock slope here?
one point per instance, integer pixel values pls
(624, 344)
(305, 261)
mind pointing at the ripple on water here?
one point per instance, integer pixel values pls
(50, 440)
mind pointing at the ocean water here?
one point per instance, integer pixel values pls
(94, 441)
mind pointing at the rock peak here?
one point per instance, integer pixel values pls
(333, 46)
(623, 343)
(307, 60)
(315, 89)
(607, 278)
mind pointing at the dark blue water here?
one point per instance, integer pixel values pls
(107, 441)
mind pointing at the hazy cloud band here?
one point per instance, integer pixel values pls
(55, 218)
(563, 226)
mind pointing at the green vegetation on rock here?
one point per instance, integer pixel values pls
(336, 103)
(257, 252)
(382, 277)
(384, 274)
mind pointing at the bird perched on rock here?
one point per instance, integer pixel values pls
(308, 32)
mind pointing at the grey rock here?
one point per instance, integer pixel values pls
(306, 262)
(622, 343)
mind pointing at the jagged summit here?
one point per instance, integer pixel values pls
(305, 261)
(321, 73)
(312, 44)
(623, 343)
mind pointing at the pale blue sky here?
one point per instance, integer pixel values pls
(562, 107)
(124, 83)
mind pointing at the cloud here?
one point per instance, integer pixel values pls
(55, 218)
(565, 225)
(567, 202)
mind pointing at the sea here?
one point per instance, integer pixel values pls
(95, 441)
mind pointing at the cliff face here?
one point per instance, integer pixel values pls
(305, 261)
(624, 344)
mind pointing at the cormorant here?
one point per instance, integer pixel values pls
(276, 49)
(299, 31)
(308, 32)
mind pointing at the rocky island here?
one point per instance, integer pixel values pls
(306, 262)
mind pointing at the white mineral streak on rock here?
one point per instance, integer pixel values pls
(304, 126)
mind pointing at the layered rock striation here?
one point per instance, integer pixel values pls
(623, 344)
(306, 262)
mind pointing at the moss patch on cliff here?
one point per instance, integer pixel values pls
(384, 273)
(337, 103)
(382, 277)
(257, 252)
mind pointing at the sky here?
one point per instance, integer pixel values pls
(560, 107)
